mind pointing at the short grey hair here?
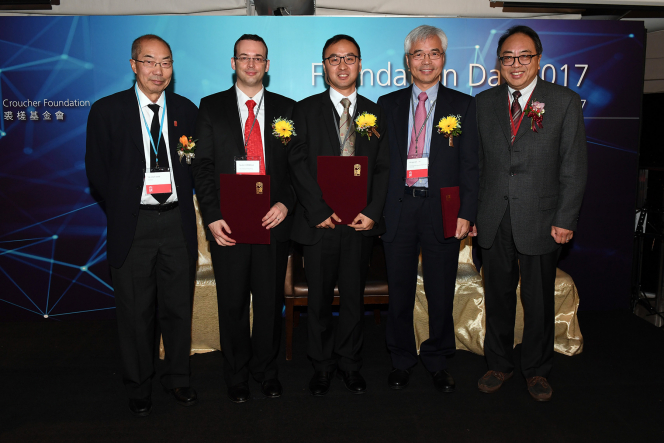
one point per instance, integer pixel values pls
(422, 33)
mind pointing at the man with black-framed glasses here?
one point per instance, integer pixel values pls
(326, 126)
(533, 166)
(234, 130)
(132, 163)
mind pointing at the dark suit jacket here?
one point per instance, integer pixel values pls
(542, 175)
(448, 165)
(115, 165)
(220, 140)
(316, 135)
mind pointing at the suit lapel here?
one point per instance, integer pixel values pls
(135, 120)
(444, 107)
(173, 131)
(400, 123)
(500, 107)
(268, 138)
(329, 116)
(231, 117)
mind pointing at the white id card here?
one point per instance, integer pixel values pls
(417, 167)
(247, 167)
(158, 182)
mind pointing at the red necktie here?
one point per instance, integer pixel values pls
(415, 150)
(254, 141)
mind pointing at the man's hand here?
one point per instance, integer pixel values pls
(328, 222)
(362, 223)
(561, 235)
(463, 227)
(275, 215)
(473, 233)
(219, 236)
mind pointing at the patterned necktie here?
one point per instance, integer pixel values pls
(515, 110)
(161, 149)
(345, 125)
(417, 145)
(254, 141)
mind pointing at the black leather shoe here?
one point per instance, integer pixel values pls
(239, 393)
(141, 407)
(443, 381)
(398, 379)
(271, 388)
(184, 396)
(320, 382)
(354, 381)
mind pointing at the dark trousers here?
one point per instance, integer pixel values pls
(156, 278)
(439, 269)
(502, 263)
(243, 271)
(341, 257)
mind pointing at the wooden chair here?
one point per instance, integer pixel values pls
(296, 290)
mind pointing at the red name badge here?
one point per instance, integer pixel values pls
(417, 167)
(157, 182)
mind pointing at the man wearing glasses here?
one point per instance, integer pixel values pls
(235, 126)
(132, 164)
(325, 125)
(424, 161)
(533, 168)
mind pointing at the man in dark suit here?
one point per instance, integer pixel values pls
(533, 169)
(413, 212)
(231, 125)
(325, 126)
(131, 154)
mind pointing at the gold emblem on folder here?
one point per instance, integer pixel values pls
(358, 170)
(259, 187)
(448, 197)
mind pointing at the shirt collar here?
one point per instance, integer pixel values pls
(432, 92)
(525, 92)
(337, 96)
(242, 97)
(145, 101)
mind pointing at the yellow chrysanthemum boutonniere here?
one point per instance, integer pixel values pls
(365, 124)
(450, 127)
(186, 148)
(283, 129)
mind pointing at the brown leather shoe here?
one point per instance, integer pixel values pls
(493, 380)
(539, 388)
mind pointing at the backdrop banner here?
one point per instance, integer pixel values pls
(53, 233)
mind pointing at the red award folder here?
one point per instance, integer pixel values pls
(244, 201)
(343, 181)
(449, 200)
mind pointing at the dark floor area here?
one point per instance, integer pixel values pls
(61, 383)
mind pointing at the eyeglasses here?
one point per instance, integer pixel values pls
(524, 59)
(245, 59)
(433, 55)
(151, 63)
(349, 59)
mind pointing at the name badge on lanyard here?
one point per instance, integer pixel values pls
(158, 180)
(417, 167)
(248, 165)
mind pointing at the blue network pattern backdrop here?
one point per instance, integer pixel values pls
(53, 233)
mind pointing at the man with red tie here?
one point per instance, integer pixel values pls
(234, 131)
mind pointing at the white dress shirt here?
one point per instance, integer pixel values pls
(242, 99)
(525, 95)
(432, 96)
(144, 101)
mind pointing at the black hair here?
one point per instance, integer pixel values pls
(252, 37)
(337, 38)
(520, 29)
(136, 45)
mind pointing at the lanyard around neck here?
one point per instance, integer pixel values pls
(251, 129)
(161, 125)
(412, 103)
(336, 126)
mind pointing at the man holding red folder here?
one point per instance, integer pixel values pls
(327, 125)
(433, 145)
(533, 170)
(235, 134)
